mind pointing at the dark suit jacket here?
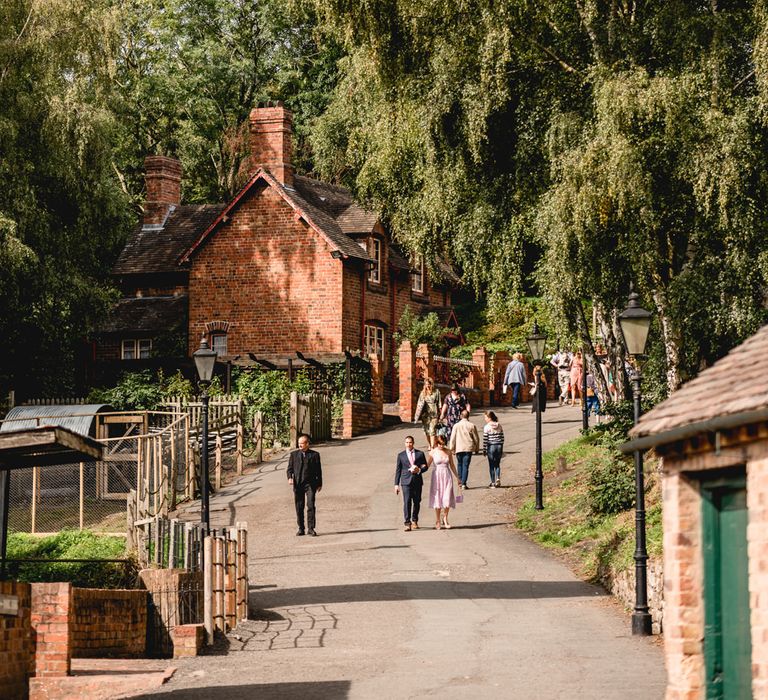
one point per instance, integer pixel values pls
(403, 475)
(307, 471)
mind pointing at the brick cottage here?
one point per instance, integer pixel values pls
(290, 264)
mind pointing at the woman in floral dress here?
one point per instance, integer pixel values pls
(428, 410)
(454, 404)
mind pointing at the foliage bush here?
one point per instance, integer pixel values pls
(145, 391)
(611, 485)
(421, 329)
(72, 544)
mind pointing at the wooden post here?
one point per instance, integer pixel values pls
(217, 460)
(82, 494)
(208, 570)
(258, 435)
(158, 523)
(174, 468)
(189, 474)
(294, 419)
(242, 573)
(219, 604)
(239, 437)
(231, 579)
(130, 527)
(172, 544)
(35, 486)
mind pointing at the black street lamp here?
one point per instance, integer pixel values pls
(635, 323)
(205, 360)
(537, 341)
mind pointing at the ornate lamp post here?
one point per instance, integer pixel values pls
(635, 323)
(536, 344)
(205, 359)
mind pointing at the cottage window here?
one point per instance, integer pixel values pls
(417, 277)
(375, 274)
(374, 341)
(136, 349)
(219, 343)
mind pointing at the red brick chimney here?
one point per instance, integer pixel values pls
(163, 180)
(271, 146)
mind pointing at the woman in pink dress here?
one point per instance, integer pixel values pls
(441, 489)
(577, 367)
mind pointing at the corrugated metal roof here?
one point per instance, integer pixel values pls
(78, 418)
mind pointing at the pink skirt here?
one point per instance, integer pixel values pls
(441, 488)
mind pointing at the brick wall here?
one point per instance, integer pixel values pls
(109, 623)
(16, 646)
(51, 609)
(361, 417)
(271, 277)
(757, 537)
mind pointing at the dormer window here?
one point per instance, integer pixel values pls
(375, 274)
(417, 277)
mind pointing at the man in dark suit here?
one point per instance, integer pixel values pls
(305, 474)
(411, 464)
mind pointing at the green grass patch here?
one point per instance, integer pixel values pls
(72, 544)
(572, 522)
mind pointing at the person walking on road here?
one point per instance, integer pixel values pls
(464, 441)
(305, 474)
(515, 377)
(442, 495)
(493, 447)
(561, 360)
(540, 394)
(411, 464)
(577, 367)
(453, 405)
(428, 410)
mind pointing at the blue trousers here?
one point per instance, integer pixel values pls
(463, 459)
(494, 461)
(515, 393)
(593, 403)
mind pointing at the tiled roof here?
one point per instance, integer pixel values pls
(446, 315)
(146, 314)
(158, 250)
(337, 202)
(735, 384)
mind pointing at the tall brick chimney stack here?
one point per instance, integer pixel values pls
(271, 144)
(163, 181)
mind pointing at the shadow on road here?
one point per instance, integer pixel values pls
(422, 590)
(309, 690)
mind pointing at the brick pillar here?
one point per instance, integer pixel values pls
(163, 183)
(482, 358)
(407, 355)
(525, 390)
(427, 359)
(683, 588)
(377, 380)
(500, 361)
(51, 610)
(271, 127)
(757, 548)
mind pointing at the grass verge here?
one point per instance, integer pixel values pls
(72, 544)
(579, 473)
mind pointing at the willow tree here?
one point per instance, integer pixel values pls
(625, 139)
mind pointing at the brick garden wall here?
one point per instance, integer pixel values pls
(361, 417)
(51, 610)
(16, 646)
(109, 623)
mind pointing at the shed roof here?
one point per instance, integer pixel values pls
(79, 418)
(734, 388)
(41, 447)
(146, 314)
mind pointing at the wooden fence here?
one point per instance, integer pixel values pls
(310, 414)
(163, 543)
(225, 579)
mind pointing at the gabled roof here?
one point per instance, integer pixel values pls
(734, 386)
(337, 202)
(146, 315)
(308, 199)
(152, 249)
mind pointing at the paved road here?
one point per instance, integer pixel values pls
(367, 610)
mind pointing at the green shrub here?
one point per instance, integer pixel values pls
(611, 485)
(72, 544)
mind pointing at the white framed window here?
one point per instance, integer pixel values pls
(136, 349)
(374, 341)
(417, 277)
(219, 343)
(375, 274)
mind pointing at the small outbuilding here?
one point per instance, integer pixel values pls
(712, 437)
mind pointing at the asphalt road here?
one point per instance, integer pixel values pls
(366, 610)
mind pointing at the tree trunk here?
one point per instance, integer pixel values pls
(609, 326)
(589, 356)
(671, 337)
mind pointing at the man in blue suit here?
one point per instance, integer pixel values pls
(411, 464)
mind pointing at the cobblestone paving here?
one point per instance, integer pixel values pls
(293, 628)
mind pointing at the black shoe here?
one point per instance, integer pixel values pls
(312, 532)
(299, 533)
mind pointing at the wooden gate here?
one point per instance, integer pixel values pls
(310, 414)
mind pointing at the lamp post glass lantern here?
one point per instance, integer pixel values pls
(205, 361)
(635, 323)
(537, 342)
